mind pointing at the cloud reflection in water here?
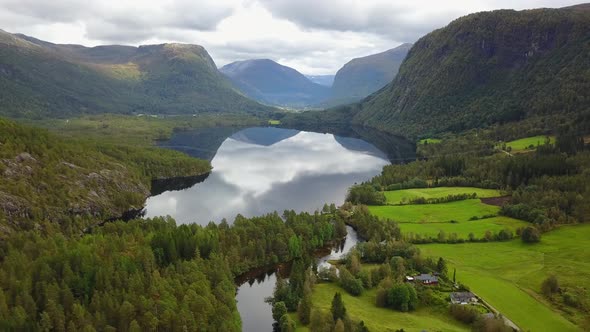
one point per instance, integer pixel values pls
(301, 172)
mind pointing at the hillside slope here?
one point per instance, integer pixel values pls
(486, 68)
(272, 83)
(41, 79)
(47, 177)
(362, 76)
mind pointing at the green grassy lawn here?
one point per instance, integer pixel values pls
(274, 122)
(523, 143)
(463, 228)
(430, 141)
(435, 213)
(397, 196)
(381, 319)
(509, 275)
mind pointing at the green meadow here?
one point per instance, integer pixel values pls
(381, 319)
(524, 143)
(463, 228)
(399, 196)
(459, 211)
(508, 275)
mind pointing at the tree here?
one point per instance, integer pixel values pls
(398, 297)
(287, 324)
(304, 308)
(530, 235)
(321, 321)
(441, 266)
(550, 286)
(338, 310)
(278, 310)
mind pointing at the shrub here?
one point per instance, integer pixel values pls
(530, 235)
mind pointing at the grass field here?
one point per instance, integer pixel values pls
(462, 229)
(274, 122)
(398, 196)
(523, 143)
(429, 141)
(381, 319)
(435, 213)
(509, 275)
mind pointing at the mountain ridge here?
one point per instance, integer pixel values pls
(363, 76)
(271, 83)
(485, 68)
(41, 79)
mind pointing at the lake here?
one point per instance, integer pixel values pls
(264, 169)
(261, 170)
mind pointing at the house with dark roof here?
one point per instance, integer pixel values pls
(427, 279)
(463, 298)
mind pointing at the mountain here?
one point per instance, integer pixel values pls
(362, 76)
(325, 80)
(41, 79)
(485, 68)
(271, 83)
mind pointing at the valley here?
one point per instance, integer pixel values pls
(441, 185)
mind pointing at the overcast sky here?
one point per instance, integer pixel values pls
(313, 36)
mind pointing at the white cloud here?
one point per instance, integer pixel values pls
(315, 37)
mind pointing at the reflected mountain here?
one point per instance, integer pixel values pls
(263, 136)
(254, 175)
(355, 144)
(200, 143)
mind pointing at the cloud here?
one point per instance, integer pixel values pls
(314, 37)
(122, 21)
(397, 20)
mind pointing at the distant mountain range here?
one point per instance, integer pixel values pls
(326, 80)
(41, 79)
(362, 76)
(271, 83)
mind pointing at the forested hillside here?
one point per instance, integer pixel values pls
(485, 68)
(40, 79)
(77, 182)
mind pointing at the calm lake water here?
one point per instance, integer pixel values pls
(261, 170)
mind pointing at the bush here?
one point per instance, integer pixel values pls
(464, 313)
(550, 286)
(530, 235)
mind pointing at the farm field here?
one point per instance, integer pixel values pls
(381, 319)
(463, 228)
(435, 213)
(399, 196)
(523, 143)
(508, 275)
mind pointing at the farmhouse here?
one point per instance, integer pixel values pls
(463, 298)
(427, 279)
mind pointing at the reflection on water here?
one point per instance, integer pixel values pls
(260, 170)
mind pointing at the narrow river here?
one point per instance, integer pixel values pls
(255, 312)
